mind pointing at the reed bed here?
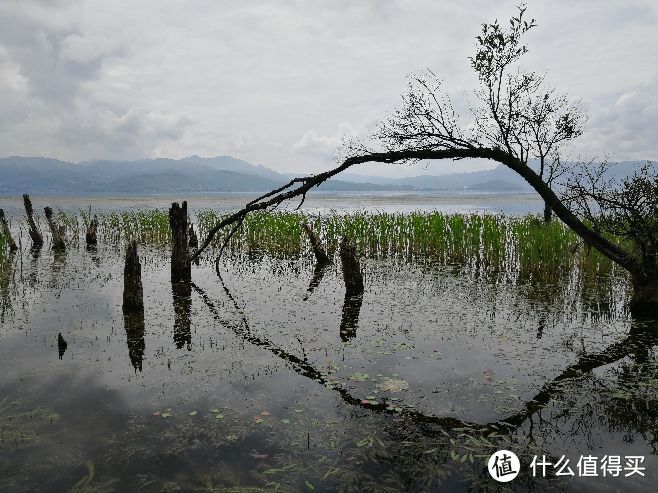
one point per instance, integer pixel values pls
(4, 254)
(495, 246)
(508, 248)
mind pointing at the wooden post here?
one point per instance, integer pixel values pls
(56, 231)
(194, 241)
(35, 233)
(6, 232)
(61, 345)
(320, 255)
(181, 267)
(92, 227)
(351, 269)
(133, 293)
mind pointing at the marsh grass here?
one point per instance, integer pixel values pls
(495, 247)
(492, 246)
(5, 256)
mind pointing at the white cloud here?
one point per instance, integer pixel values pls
(313, 142)
(269, 81)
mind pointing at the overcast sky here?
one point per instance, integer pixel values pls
(278, 82)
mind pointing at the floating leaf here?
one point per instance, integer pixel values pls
(219, 416)
(393, 385)
(166, 415)
(359, 377)
(285, 421)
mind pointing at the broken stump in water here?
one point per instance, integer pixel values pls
(56, 231)
(351, 269)
(35, 233)
(320, 255)
(6, 232)
(133, 293)
(61, 345)
(181, 267)
(92, 229)
(194, 241)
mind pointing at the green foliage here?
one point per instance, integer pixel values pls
(496, 247)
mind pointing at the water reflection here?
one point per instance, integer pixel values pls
(350, 318)
(586, 401)
(642, 337)
(134, 325)
(318, 273)
(182, 298)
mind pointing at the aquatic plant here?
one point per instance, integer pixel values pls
(490, 246)
(506, 248)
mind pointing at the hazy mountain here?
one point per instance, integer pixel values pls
(225, 173)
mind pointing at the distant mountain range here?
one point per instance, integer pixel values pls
(224, 173)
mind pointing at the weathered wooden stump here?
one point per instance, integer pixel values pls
(35, 233)
(320, 254)
(92, 229)
(7, 232)
(61, 345)
(181, 267)
(351, 269)
(133, 293)
(58, 232)
(194, 241)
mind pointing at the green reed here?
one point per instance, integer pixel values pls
(505, 248)
(510, 248)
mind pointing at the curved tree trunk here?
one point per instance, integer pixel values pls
(644, 301)
(590, 237)
(548, 213)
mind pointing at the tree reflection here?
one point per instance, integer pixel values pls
(182, 298)
(350, 319)
(134, 325)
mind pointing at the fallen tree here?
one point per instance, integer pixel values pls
(518, 123)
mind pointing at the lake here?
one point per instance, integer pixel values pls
(508, 203)
(266, 378)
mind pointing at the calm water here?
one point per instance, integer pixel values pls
(251, 382)
(508, 203)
